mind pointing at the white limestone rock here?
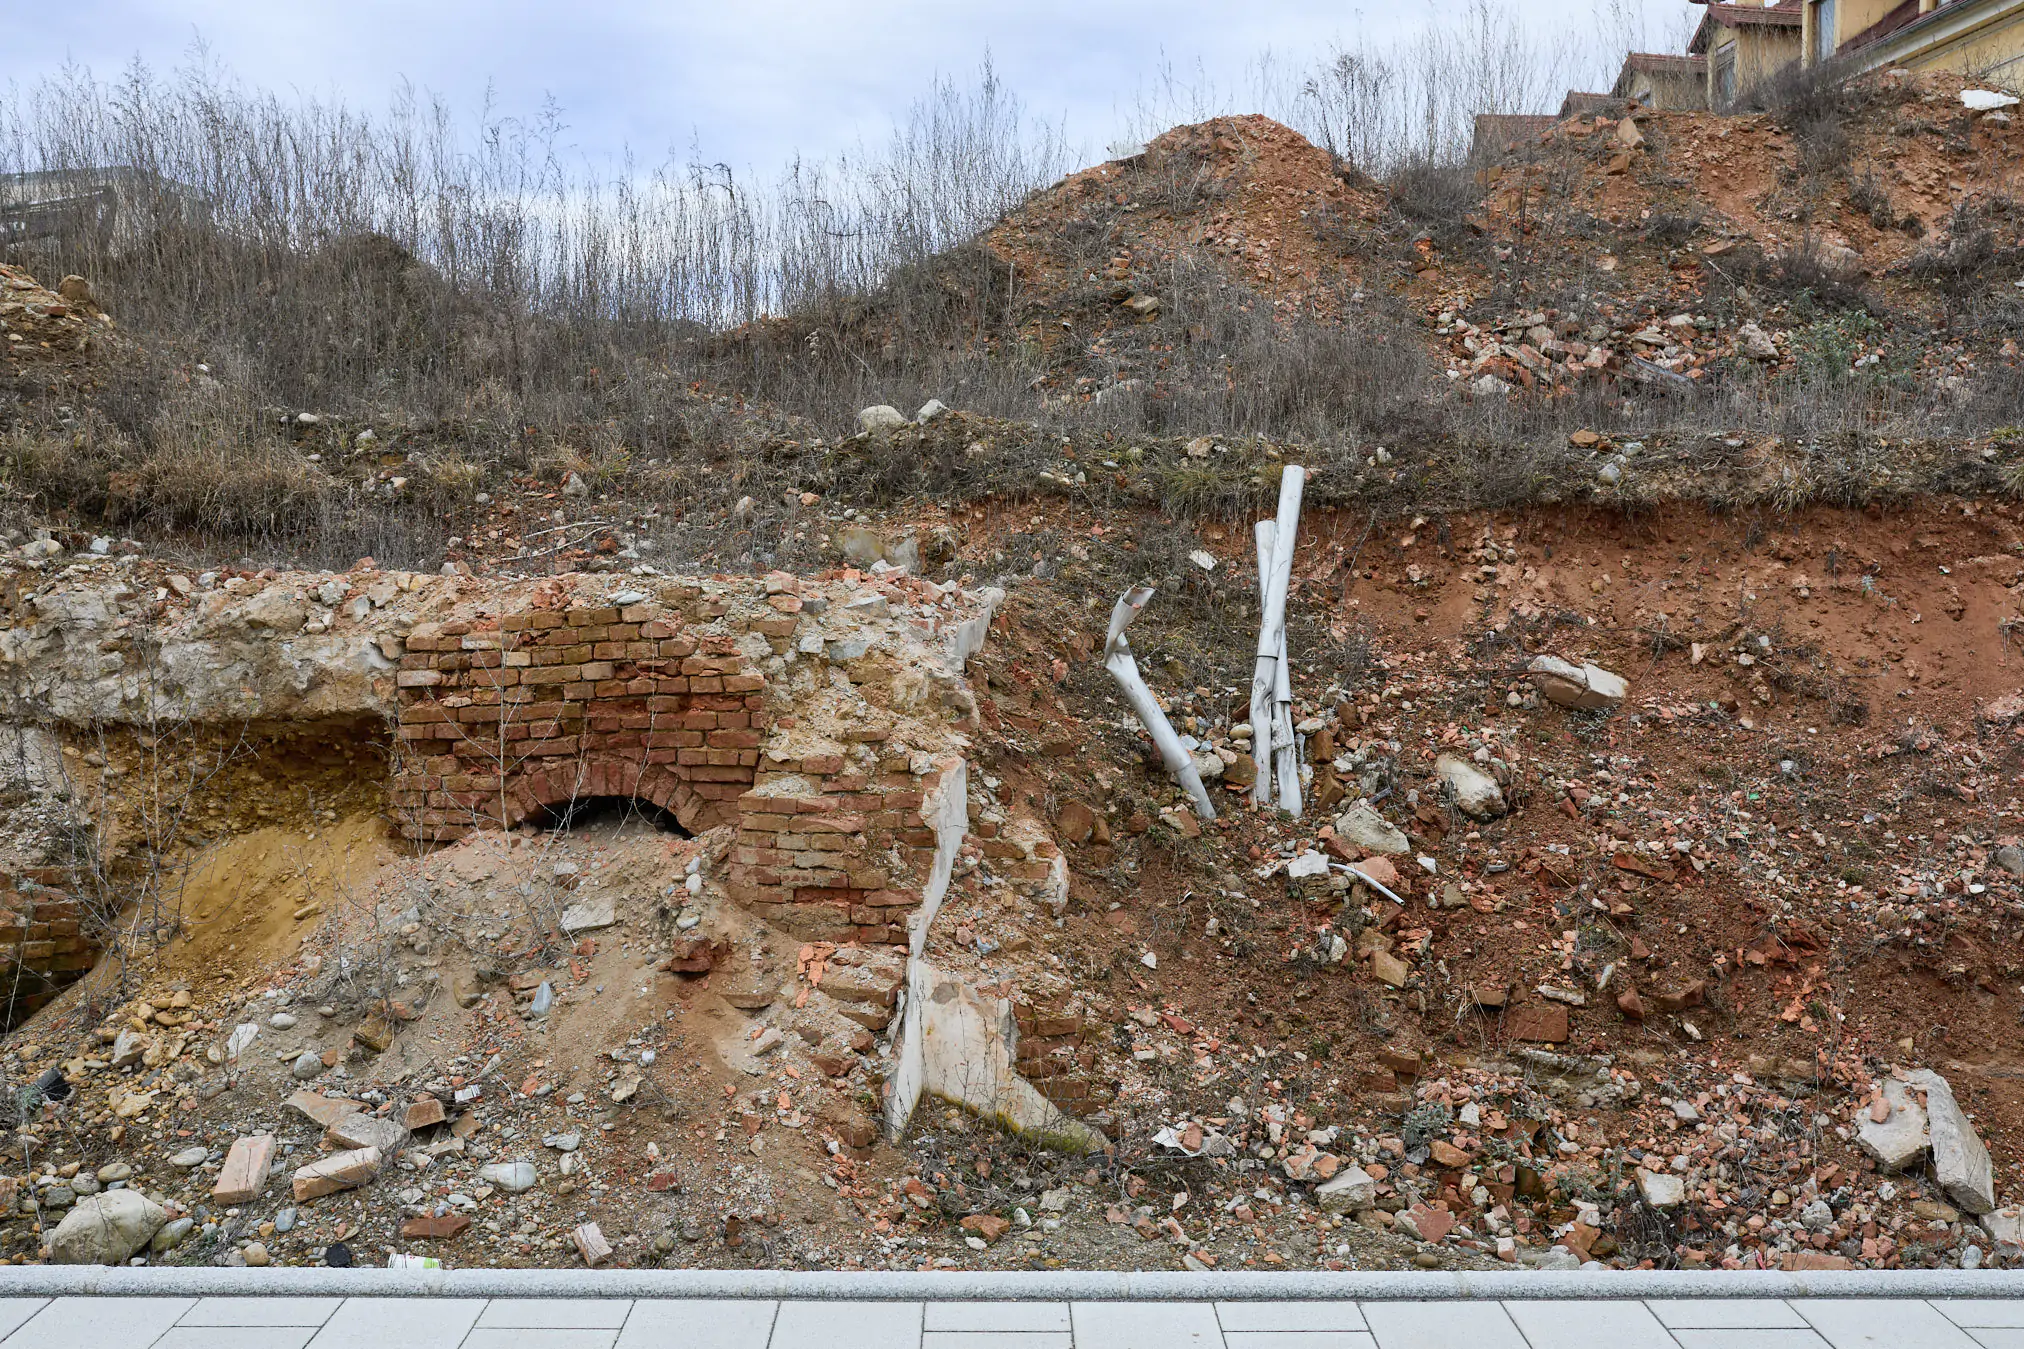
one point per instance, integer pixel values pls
(1370, 831)
(1477, 794)
(1583, 687)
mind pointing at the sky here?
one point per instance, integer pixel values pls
(747, 82)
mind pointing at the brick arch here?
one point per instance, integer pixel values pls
(536, 791)
(549, 706)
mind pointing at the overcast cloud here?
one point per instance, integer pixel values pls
(748, 82)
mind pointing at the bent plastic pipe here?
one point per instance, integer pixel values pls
(1117, 659)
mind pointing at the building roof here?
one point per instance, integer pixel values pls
(1497, 131)
(1658, 64)
(1666, 63)
(1897, 18)
(1743, 16)
(1900, 33)
(1581, 103)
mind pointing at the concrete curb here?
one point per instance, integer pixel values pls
(1086, 1286)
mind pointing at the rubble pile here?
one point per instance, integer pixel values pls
(1652, 898)
(37, 325)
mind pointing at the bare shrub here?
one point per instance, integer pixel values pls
(341, 262)
(1806, 274)
(1973, 246)
(1438, 195)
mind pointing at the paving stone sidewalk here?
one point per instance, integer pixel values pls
(678, 1323)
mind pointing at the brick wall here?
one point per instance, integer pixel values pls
(43, 947)
(502, 719)
(835, 855)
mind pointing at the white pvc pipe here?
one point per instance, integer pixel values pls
(1273, 747)
(1270, 669)
(1117, 659)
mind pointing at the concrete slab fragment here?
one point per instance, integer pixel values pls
(1959, 1157)
(1900, 1139)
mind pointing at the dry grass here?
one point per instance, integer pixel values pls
(679, 341)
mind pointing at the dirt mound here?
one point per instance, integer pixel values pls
(1244, 196)
(1867, 229)
(38, 325)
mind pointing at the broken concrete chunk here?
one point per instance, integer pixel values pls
(321, 1109)
(1477, 794)
(1755, 343)
(2006, 1226)
(366, 1131)
(588, 916)
(1661, 1189)
(244, 1174)
(1986, 100)
(339, 1171)
(1959, 1157)
(1352, 1191)
(1899, 1139)
(1362, 826)
(1306, 866)
(127, 1048)
(1583, 687)
(512, 1177)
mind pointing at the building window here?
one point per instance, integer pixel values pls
(1725, 74)
(1823, 32)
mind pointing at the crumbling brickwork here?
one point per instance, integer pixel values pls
(501, 719)
(835, 855)
(43, 945)
(1053, 1057)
